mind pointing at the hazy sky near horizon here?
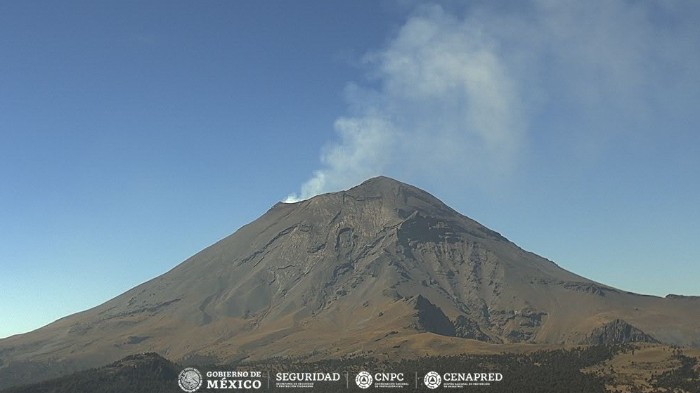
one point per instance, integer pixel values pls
(135, 133)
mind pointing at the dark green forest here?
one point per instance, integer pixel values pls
(554, 371)
(684, 377)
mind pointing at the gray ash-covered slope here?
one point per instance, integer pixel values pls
(383, 266)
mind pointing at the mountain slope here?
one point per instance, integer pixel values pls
(382, 267)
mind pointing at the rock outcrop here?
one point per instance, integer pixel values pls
(617, 332)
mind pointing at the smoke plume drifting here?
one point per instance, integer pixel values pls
(464, 93)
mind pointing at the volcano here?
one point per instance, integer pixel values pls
(383, 268)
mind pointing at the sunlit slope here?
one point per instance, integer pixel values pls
(383, 267)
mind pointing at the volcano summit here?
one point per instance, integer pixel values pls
(382, 268)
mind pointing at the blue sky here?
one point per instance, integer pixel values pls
(133, 134)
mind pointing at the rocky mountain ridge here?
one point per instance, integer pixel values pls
(382, 267)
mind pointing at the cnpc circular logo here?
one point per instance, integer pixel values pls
(190, 379)
(363, 379)
(432, 380)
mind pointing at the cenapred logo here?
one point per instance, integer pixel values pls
(190, 379)
(432, 380)
(363, 380)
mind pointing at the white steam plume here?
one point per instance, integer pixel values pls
(443, 97)
(456, 93)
